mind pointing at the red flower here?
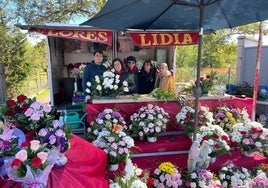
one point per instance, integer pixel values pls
(10, 103)
(142, 174)
(21, 98)
(217, 146)
(208, 76)
(36, 162)
(9, 113)
(225, 137)
(216, 136)
(150, 181)
(17, 109)
(243, 133)
(16, 163)
(201, 78)
(24, 107)
(25, 144)
(205, 138)
(188, 183)
(254, 129)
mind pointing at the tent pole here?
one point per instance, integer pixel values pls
(197, 89)
(257, 72)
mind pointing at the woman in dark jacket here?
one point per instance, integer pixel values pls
(131, 76)
(146, 77)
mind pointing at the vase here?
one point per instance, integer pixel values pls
(248, 154)
(113, 167)
(204, 93)
(151, 139)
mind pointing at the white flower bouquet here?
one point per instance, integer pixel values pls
(108, 85)
(185, 118)
(233, 176)
(250, 137)
(149, 121)
(131, 177)
(217, 138)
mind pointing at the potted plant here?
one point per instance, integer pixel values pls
(250, 137)
(149, 122)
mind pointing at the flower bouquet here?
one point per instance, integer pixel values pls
(202, 178)
(13, 108)
(250, 137)
(37, 116)
(226, 117)
(207, 82)
(107, 85)
(116, 144)
(31, 165)
(166, 175)
(10, 139)
(131, 177)
(148, 122)
(56, 137)
(185, 118)
(217, 139)
(233, 176)
(108, 120)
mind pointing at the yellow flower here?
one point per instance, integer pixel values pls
(167, 167)
(229, 114)
(232, 120)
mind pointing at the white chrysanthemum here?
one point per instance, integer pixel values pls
(99, 88)
(88, 84)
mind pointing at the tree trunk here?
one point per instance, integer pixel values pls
(3, 85)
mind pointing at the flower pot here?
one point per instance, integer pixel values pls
(248, 154)
(114, 167)
(204, 93)
(151, 139)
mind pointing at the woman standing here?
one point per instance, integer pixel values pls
(131, 76)
(118, 66)
(164, 79)
(147, 77)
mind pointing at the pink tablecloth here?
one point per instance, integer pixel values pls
(85, 168)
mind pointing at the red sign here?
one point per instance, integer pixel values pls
(146, 39)
(101, 36)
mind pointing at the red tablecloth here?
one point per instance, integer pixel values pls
(85, 168)
(171, 107)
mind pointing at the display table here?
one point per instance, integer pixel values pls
(127, 107)
(86, 167)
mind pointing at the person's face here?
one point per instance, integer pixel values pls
(131, 64)
(98, 58)
(162, 68)
(147, 67)
(117, 66)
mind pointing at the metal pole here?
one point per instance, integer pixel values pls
(197, 89)
(257, 72)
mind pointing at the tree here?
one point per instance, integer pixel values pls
(19, 59)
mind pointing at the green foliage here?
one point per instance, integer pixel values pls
(163, 94)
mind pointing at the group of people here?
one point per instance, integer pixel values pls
(139, 81)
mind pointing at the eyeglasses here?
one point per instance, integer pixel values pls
(131, 62)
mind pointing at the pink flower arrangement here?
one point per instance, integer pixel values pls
(149, 121)
(202, 178)
(31, 165)
(166, 175)
(38, 115)
(116, 144)
(107, 120)
(250, 136)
